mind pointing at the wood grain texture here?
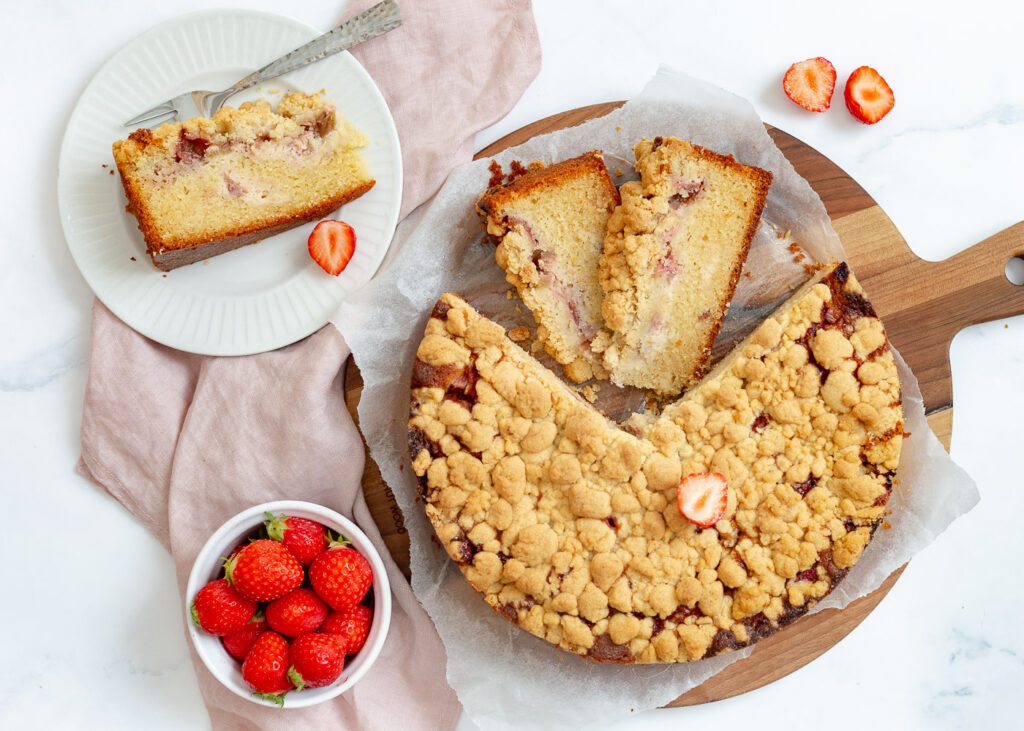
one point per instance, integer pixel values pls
(923, 305)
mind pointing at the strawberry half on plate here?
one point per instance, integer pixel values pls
(332, 245)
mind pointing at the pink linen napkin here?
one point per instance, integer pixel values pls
(186, 441)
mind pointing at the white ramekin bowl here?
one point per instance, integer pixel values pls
(209, 566)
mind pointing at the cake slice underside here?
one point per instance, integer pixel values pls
(567, 524)
(672, 258)
(551, 224)
(205, 186)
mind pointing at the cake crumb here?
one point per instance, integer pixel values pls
(618, 128)
(111, 172)
(519, 309)
(497, 174)
(132, 258)
(536, 347)
(589, 392)
(509, 294)
(618, 172)
(164, 276)
(886, 525)
(519, 334)
(516, 170)
(103, 165)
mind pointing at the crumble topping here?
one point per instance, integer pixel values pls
(568, 525)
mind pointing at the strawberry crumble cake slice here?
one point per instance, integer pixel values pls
(203, 187)
(551, 225)
(672, 257)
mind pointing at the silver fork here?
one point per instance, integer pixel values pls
(375, 21)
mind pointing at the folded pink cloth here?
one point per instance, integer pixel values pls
(186, 441)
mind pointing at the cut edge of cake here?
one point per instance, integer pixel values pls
(550, 225)
(652, 340)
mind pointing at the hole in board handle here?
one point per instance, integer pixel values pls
(1015, 270)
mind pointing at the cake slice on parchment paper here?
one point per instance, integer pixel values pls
(204, 187)
(551, 224)
(671, 261)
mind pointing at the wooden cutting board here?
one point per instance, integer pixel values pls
(923, 305)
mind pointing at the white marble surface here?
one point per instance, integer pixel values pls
(93, 633)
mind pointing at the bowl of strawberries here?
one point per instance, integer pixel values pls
(289, 604)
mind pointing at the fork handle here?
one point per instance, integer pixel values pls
(374, 21)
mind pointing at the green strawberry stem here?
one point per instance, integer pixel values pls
(195, 615)
(338, 542)
(277, 698)
(229, 569)
(296, 677)
(276, 526)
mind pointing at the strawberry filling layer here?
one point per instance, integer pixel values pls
(546, 263)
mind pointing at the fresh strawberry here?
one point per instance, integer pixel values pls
(317, 660)
(239, 643)
(265, 668)
(332, 245)
(263, 571)
(702, 498)
(353, 625)
(341, 576)
(810, 83)
(220, 610)
(867, 95)
(297, 613)
(306, 539)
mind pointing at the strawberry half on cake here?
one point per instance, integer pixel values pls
(550, 223)
(672, 257)
(206, 186)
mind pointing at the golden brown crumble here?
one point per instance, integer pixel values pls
(568, 525)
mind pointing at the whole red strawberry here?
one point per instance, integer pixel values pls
(239, 643)
(341, 576)
(306, 539)
(220, 610)
(317, 660)
(265, 668)
(353, 625)
(263, 571)
(297, 613)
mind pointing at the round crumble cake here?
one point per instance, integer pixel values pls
(567, 523)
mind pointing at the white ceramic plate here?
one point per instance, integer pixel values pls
(255, 298)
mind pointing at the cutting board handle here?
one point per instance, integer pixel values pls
(974, 281)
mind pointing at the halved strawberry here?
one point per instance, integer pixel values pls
(810, 83)
(867, 95)
(332, 245)
(702, 498)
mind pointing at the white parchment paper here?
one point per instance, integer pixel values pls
(505, 677)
